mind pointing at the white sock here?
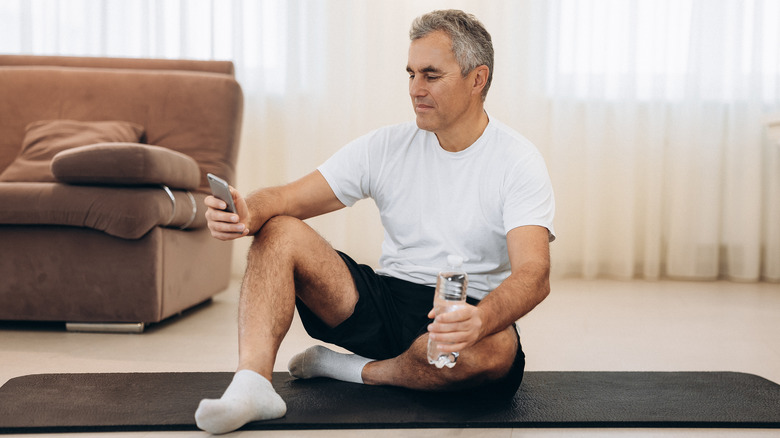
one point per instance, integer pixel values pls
(249, 397)
(318, 361)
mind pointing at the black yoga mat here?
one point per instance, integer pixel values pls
(167, 401)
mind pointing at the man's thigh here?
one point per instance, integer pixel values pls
(386, 320)
(321, 279)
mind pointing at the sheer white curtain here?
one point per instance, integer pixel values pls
(656, 111)
(650, 113)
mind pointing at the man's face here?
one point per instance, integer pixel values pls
(440, 94)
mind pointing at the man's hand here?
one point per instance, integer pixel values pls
(225, 225)
(304, 198)
(458, 329)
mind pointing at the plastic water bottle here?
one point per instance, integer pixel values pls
(450, 294)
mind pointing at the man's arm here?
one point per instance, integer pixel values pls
(527, 286)
(304, 198)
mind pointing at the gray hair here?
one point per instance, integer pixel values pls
(471, 42)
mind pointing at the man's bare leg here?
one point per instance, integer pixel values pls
(287, 258)
(491, 359)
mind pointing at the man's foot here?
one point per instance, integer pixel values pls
(249, 397)
(318, 361)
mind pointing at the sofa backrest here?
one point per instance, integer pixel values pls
(224, 67)
(193, 112)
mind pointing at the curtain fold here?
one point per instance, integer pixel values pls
(653, 115)
(661, 106)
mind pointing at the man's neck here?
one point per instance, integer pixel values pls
(464, 134)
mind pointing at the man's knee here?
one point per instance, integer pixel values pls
(277, 234)
(281, 226)
(501, 353)
(489, 361)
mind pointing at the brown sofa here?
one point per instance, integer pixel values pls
(103, 165)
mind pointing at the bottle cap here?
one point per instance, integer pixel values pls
(455, 261)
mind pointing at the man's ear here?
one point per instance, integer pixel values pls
(480, 76)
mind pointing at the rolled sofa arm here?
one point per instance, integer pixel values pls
(128, 212)
(122, 189)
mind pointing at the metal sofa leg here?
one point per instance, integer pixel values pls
(105, 327)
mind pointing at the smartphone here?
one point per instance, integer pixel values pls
(219, 188)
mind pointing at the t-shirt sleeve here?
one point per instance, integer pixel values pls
(528, 198)
(347, 171)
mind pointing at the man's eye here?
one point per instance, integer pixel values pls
(433, 78)
(411, 76)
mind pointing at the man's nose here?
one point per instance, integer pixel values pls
(417, 87)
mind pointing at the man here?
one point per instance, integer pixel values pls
(454, 182)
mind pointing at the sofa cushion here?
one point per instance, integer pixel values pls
(126, 164)
(44, 139)
(126, 212)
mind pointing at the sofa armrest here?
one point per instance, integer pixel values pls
(125, 212)
(126, 164)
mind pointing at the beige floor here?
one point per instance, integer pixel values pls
(583, 325)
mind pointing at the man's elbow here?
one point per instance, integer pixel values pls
(544, 283)
(544, 289)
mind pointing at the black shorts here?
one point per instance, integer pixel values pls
(389, 315)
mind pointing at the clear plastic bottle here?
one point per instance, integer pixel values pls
(451, 287)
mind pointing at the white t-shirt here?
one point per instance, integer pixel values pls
(434, 203)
